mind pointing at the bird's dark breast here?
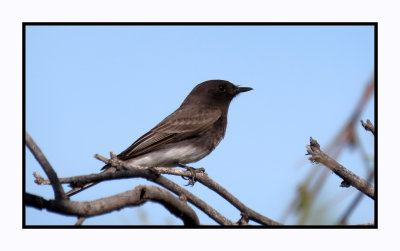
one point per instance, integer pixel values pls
(215, 134)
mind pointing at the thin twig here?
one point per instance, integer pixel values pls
(207, 209)
(80, 221)
(349, 178)
(51, 174)
(251, 214)
(368, 126)
(353, 205)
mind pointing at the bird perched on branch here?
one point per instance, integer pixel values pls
(187, 135)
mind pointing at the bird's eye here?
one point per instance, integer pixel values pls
(221, 88)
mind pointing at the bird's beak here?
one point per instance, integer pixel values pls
(244, 89)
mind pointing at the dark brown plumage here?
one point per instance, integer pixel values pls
(189, 133)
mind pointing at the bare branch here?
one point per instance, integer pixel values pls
(203, 178)
(245, 211)
(244, 220)
(310, 188)
(368, 126)
(349, 178)
(135, 197)
(355, 202)
(80, 221)
(51, 174)
(153, 175)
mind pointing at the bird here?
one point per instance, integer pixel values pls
(185, 136)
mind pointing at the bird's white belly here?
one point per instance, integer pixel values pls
(169, 157)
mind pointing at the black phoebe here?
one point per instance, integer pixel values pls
(188, 134)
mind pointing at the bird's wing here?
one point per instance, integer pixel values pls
(181, 124)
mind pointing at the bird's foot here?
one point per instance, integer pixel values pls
(193, 171)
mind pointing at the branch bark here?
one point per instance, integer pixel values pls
(138, 196)
(245, 211)
(368, 126)
(120, 169)
(152, 174)
(51, 174)
(349, 178)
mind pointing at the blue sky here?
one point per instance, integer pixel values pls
(95, 89)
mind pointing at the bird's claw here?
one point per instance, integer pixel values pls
(193, 171)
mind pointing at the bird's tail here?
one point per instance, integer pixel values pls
(75, 190)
